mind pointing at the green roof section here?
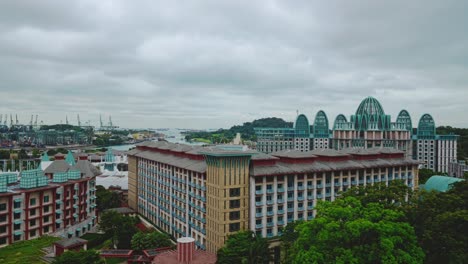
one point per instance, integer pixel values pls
(302, 126)
(440, 183)
(426, 127)
(70, 159)
(109, 156)
(321, 129)
(45, 157)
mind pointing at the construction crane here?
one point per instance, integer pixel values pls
(79, 122)
(11, 120)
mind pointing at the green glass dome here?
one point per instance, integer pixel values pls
(426, 127)
(302, 126)
(370, 116)
(404, 120)
(321, 129)
(370, 106)
(440, 183)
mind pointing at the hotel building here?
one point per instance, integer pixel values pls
(369, 127)
(58, 198)
(210, 192)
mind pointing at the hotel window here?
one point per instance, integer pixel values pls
(3, 240)
(46, 219)
(234, 192)
(32, 222)
(46, 209)
(234, 215)
(32, 233)
(234, 204)
(17, 215)
(16, 226)
(32, 212)
(234, 227)
(3, 207)
(46, 199)
(17, 237)
(32, 201)
(17, 205)
(2, 229)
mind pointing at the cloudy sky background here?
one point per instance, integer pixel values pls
(220, 63)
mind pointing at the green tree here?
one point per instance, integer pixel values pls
(440, 221)
(346, 231)
(119, 227)
(425, 174)
(396, 195)
(141, 241)
(106, 199)
(288, 238)
(244, 247)
(79, 257)
(36, 153)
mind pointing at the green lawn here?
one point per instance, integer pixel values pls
(26, 251)
(204, 140)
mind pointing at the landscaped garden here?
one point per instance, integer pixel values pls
(29, 251)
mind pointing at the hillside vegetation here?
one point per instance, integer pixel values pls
(246, 130)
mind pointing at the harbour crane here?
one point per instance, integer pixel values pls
(79, 122)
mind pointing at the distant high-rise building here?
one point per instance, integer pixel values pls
(434, 151)
(369, 127)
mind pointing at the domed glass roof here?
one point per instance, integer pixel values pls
(370, 106)
(321, 125)
(302, 126)
(426, 127)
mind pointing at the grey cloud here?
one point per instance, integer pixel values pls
(220, 63)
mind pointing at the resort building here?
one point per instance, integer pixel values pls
(435, 152)
(209, 193)
(458, 169)
(369, 127)
(57, 198)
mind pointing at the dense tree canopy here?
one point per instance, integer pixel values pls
(80, 257)
(346, 231)
(121, 228)
(106, 199)
(244, 247)
(394, 195)
(441, 222)
(150, 240)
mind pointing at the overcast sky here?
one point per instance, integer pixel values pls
(191, 65)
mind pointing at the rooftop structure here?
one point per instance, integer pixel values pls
(440, 183)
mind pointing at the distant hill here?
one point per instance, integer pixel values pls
(246, 129)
